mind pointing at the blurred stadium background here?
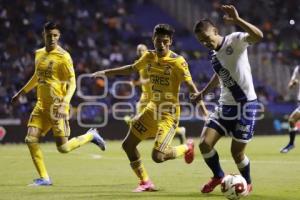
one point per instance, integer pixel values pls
(104, 34)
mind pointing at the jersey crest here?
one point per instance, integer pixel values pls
(229, 50)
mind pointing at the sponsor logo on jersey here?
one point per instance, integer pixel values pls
(229, 50)
(159, 80)
(167, 70)
(149, 67)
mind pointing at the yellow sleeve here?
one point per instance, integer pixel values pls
(184, 72)
(67, 66)
(71, 87)
(69, 74)
(141, 63)
(32, 83)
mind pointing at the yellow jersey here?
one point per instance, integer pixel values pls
(53, 69)
(166, 75)
(146, 88)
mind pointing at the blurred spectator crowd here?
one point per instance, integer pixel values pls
(102, 34)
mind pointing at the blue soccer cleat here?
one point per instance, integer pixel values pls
(97, 139)
(41, 182)
(287, 148)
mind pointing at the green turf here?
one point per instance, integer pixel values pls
(88, 173)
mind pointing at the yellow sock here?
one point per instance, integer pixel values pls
(139, 169)
(38, 160)
(76, 142)
(179, 150)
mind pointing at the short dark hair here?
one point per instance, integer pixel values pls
(164, 29)
(203, 25)
(50, 26)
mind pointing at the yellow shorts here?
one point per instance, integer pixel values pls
(141, 105)
(42, 119)
(147, 125)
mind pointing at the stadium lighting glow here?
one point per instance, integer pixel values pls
(292, 22)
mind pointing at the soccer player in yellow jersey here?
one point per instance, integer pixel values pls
(159, 119)
(143, 82)
(54, 78)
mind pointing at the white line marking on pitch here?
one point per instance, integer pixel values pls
(96, 156)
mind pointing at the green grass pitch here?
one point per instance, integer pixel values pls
(89, 173)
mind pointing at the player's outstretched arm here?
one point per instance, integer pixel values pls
(232, 16)
(70, 90)
(214, 82)
(125, 70)
(62, 112)
(15, 98)
(294, 80)
(140, 82)
(32, 83)
(193, 91)
(293, 83)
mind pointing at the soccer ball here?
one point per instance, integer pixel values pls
(234, 186)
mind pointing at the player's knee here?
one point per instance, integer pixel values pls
(157, 156)
(205, 147)
(292, 121)
(237, 156)
(125, 146)
(63, 148)
(31, 139)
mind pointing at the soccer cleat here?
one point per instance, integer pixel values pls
(249, 189)
(210, 186)
(189, 154)
(287, 148)
(41, 182)
(145, 186)
(97, 139)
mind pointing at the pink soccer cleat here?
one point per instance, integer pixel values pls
(189, 154)
(145, 186)
(210, 186)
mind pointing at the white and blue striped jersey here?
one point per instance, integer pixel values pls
(231, 64)
(296, 76)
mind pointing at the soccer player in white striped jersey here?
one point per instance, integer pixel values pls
(235, 115)
(295, 116)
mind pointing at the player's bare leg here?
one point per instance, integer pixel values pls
(64, 145)
(294, 117)
(32, 141)
(174, 152)
(162, 150)
(242, 161)
(208, 139)
(181, 134)
(130, 147)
